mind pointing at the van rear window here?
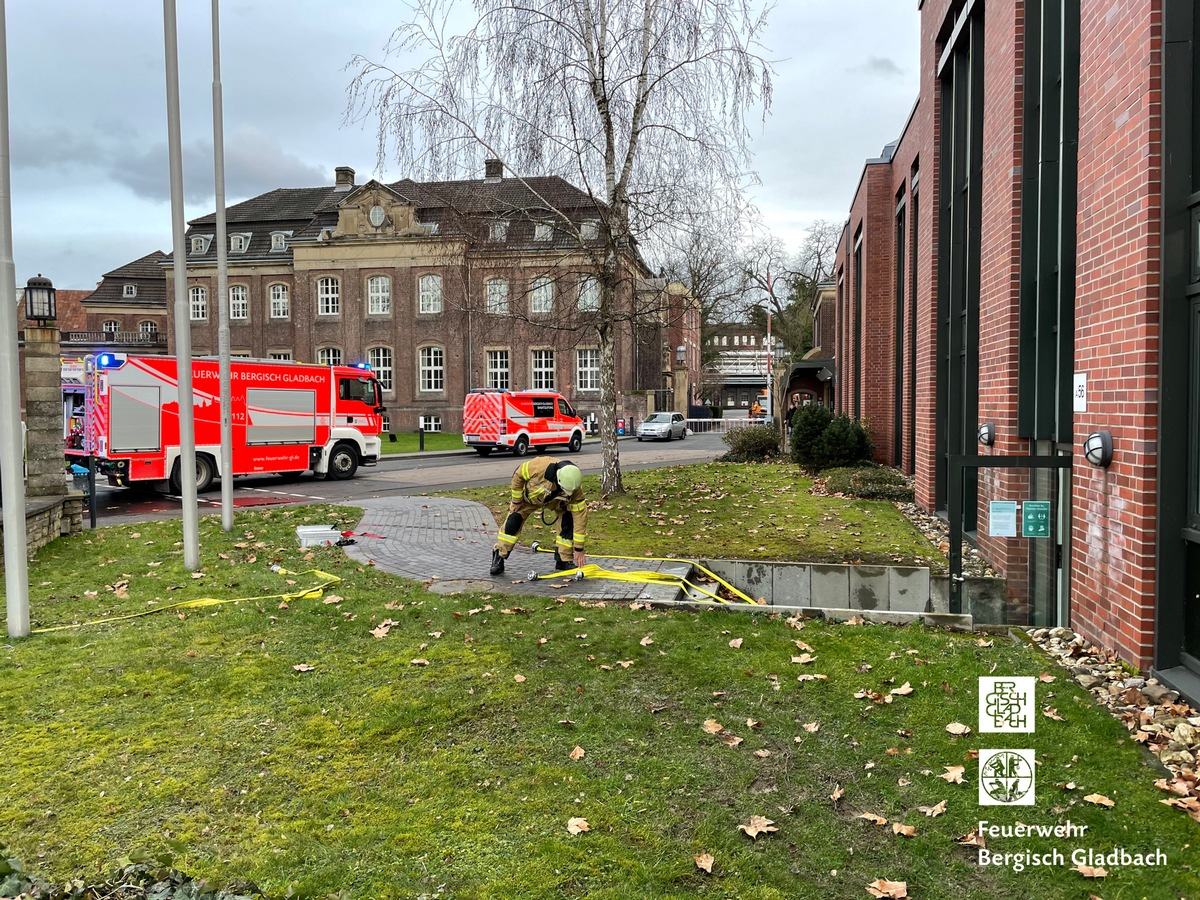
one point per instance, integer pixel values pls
(543, 407)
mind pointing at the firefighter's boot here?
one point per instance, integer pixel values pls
(562, 565)
(497, 563)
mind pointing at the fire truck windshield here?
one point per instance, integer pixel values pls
(361, 389)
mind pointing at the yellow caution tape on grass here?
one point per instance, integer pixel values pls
(591, 570)
(308, 593)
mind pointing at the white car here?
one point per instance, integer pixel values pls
(663, 426)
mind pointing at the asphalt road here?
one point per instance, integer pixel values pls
(396, 475)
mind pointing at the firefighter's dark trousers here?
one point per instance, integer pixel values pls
(519, 512)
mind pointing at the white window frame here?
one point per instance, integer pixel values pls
(129, 290)
(282, 355)
(587, 376)
(379, 295)
(279, 240)
(541, 295)
(200, 243)
(382, 362)
(238, 243)
(147, 326)
(498, 231)
(543, 231)
(496, 290)
(329, 296)
(589, 229)
(589, 293)
(541, 369)
(429, 293)
(430, 423)
(198, 303)
(111, 326)
(431, 369)
(499, 368)
(385, 422)
(329, 356)
(280, 296)
(239, 309)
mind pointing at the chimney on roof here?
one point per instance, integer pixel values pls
(343, 178)
(493, 170)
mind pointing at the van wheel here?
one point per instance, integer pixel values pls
(521, 446)
(204, 475)
(343, 462)
(576, 442)
(483, 451)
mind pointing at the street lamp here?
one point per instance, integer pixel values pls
(680, 354)
(40, 300)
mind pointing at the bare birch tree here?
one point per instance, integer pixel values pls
(641, 103)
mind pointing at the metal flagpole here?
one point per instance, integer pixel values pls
(183, 323)
(12, 469)
(222, 280)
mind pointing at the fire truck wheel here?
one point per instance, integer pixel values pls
(521, 446)
(343, 462)
(204, 475)
(576, 442)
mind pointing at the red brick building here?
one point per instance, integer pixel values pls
(1020, 271)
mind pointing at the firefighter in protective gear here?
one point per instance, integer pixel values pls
(540, 484)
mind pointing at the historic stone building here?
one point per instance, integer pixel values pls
(1018, 295)
(441, 287)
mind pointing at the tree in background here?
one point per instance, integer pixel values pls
(640, 102)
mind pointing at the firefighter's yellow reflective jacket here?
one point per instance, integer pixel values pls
(532, 486)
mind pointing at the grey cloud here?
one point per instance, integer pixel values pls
(880, 66)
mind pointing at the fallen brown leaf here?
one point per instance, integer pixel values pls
(420, 662)
(704, 861)
(933, 811)
(712, 726)
(904, 830)
(958, 729)
(758, 825)
(903, 691)
(837, 794)
(577, 825)
(971, 839)
(303, 667)
(872, 818)
(1089, 871)
(1099, 800)
(578, 752)
(889, 890)
(953, 774)
(736, 643)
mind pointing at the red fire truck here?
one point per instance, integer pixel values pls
(286, 417)
(519, 420)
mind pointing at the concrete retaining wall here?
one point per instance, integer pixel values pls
(48, 518)
(898, 589)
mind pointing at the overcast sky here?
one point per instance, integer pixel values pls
(87, 113)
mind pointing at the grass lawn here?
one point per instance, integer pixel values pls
(445, 753)
(410, 442)
(740, 511)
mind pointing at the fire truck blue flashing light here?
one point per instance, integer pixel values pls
(361, 365)
(110, 360)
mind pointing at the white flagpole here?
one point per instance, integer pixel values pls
(226, 376)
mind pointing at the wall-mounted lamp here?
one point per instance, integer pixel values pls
(680, 354)
(987, 434)
(1098, 448)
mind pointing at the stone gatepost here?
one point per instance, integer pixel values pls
(45, 447)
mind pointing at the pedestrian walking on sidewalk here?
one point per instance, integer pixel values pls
(544, 484)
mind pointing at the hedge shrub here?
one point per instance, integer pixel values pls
(869, 483)
(821, 440)
(751, 443)
(808, 424)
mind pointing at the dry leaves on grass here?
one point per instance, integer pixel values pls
(577, 825)
(712, 726)
(953, 774)
(1090, 871)
(958, 729)
(303, 667)
(646, 641)
(872, 818)
(812, 727)
(419, 661)
(837, 794)
(1099, 800)
(904, 830)
(933, 811)
(736, 643)
(890, 890)
(519, 679)
(578, 753)
(903, 691)
(331, 599)
(971, 839)
(704, 861)
(1051, 713)
(803, 659)
(757, 825)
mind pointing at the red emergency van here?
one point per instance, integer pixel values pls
(285, 416)
(519, 420)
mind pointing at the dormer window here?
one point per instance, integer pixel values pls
(589, 230)
(325, 235)
(129, 290)
(200, 243)
(238, 243)
(279, 240)
(543, 231)
(498, 231)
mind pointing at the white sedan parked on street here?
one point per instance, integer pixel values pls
(663, 426)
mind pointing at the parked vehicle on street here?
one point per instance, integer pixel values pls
(519, 421)
(663, 426)
(286, 417)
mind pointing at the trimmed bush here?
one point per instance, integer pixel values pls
(843, 443)
(869, 483)
(808, 424)
(751, 443)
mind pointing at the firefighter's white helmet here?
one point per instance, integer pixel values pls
(569, 477)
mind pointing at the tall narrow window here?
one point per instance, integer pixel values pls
(329, 296)
(900, 257)
(380, 360)
(148, 327)
(957, 397)
(497, 296)
(379, 295)
(329, 356)
(239, 304)
(857, 349)
(431, 369)
(914, 301)
(497, 370)
(587, 369)
(429, 288)
(281, 305)
(198, 303)
(543, 370)
(541, 295)
(589, 293)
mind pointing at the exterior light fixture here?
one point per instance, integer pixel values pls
(680, 354)
(1098, 448)
(40, 302)
(987, 434)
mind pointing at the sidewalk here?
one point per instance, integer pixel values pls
(447, 543)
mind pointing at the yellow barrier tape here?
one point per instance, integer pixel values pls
(591, 570)
(308, 593)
